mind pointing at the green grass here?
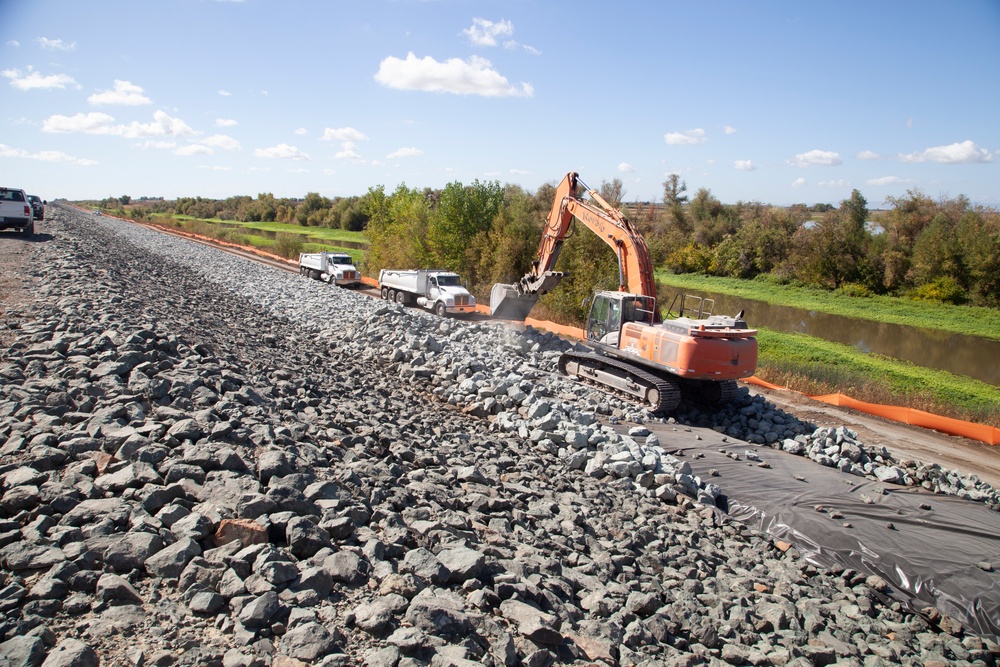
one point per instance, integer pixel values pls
(815, 366)
(312, 233)
(245, 236)
(967, 320)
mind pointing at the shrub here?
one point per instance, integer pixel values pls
(944, 289)
(288, 245)
(855, 290)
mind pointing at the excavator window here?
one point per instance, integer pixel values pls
(639, 309)
(605, 321)
(597, 323)
(615, 316)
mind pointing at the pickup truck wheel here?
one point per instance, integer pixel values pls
(29, 230)
(440, 309)
(385, 292)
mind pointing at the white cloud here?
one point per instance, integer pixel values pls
(301, 131)
(55, 44)
(868, 155)
(798, 182)
(519, 172)
(225, 93)
(475, 76)
(626, 168)
(689, 138)
(281, 151)
(816, 158)
(193, 149)
(225, 122)
(887, 180)
(485, 33)
(221, 141)
(94, 122)
(14, 43)
(404, 152)
(149, 143)
(35, 81)
(162, 125)
(744, 165)
(44, 156)
(125, 93)
(966, 152)
(348, 151)
(342, 134)
(219, 167)
(101, 123)
(839, 183)
(729, 129)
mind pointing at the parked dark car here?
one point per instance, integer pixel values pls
(37, 207)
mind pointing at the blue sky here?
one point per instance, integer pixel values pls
(779, 102)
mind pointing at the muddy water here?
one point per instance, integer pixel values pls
(964, 355)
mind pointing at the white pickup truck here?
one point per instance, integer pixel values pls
(15, 211)
(433, 289)
(335, 268)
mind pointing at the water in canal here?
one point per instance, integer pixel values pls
(963, 355)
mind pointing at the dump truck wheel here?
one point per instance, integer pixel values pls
(385, 292)
(440, 309)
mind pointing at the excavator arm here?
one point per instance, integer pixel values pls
(635, 269)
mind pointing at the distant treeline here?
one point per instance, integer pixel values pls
(313, 211)
(943, 249)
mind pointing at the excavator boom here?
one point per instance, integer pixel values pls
(635, 272)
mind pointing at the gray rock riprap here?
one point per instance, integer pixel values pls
(204, 461)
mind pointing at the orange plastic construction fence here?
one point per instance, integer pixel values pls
(988, 434)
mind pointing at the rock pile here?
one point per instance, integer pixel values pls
(204, 462)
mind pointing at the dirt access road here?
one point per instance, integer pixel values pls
(904, 441)
(950, 452)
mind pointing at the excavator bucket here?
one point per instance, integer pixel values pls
(506, 303)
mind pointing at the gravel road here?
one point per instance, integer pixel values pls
(209, 462)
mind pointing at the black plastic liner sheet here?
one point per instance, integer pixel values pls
(933, 550)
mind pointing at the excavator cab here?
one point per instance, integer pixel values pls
(609, 311)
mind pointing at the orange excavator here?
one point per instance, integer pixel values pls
(634, 350)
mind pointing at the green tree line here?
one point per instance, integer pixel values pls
(312, 211)
(945, 249)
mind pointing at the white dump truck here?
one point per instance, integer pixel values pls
(433, 289)
(336, 268)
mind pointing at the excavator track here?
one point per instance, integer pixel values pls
(660, 394)
(710, 392)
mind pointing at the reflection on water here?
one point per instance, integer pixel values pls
(963, 355)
